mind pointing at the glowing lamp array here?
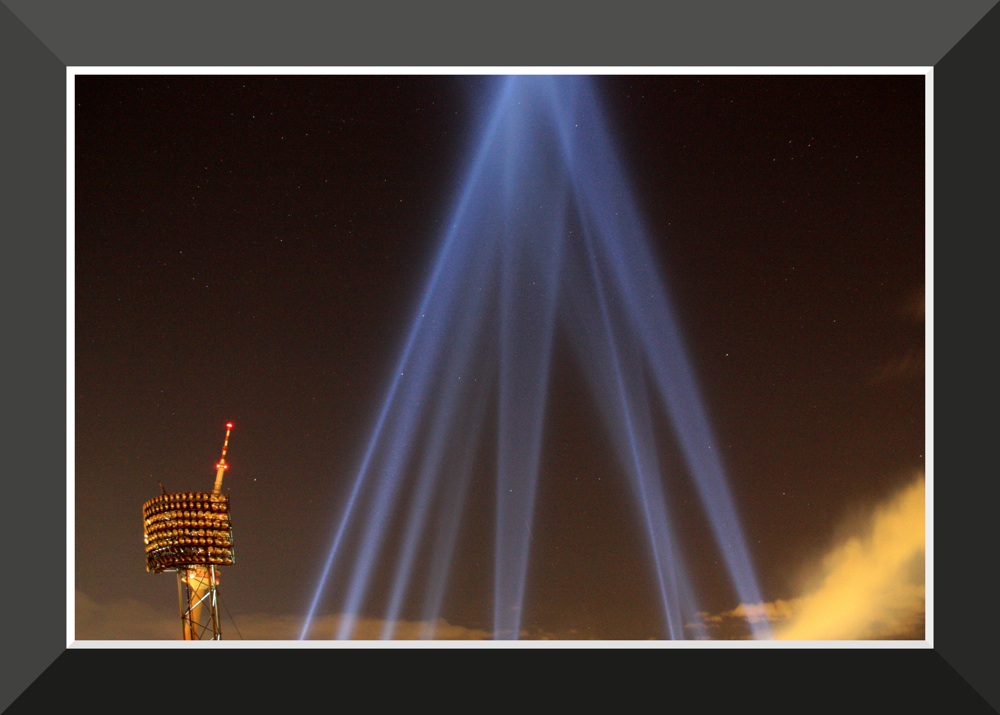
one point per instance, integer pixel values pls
(187, 529)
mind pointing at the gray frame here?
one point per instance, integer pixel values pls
(39, 39)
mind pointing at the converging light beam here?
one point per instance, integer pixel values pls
(544, 237)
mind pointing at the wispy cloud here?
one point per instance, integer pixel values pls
(903, 369)
(910, 365)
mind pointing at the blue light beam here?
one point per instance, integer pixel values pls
(544, 236)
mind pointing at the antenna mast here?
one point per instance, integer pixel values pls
(191, 533)
(221, 467)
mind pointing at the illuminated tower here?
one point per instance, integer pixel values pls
(190, 533)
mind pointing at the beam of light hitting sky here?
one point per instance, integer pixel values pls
(353, 499)
(602, 189)
(543, 231)
(448, 521)
(629, 432)
(641, 463)
(442, 435)
(434, 343)
(533, 208)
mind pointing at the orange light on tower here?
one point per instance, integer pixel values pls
(191, 533)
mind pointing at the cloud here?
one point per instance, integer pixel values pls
(125, 619)
(915, 306)
(911, 365)
(132, 620)
(371, 629)
(905, 368)
(775, 611)
(870, 586)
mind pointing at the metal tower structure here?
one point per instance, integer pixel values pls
(191, 533)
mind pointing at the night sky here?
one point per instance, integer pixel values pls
(252, 249)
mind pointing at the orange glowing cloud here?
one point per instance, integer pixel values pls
(871, 586)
